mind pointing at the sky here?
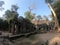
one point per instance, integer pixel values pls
(41, 8)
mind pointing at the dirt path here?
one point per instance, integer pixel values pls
(35, 39)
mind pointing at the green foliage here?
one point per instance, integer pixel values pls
(14, 8)
(1, 4)
(11, 14)
(12, 17)
(3, 25)
(39, 17)
(8, 14)
(15, 23)
(49, 1)
(56, 7)
(25, 26)
(29, 15)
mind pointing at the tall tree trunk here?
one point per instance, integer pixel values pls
(9, 27)
(13, 28)
(55, 16)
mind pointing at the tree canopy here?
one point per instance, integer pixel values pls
(48, 1)
(1, 4)
(56, 7)
(39, 17)
(29, 15)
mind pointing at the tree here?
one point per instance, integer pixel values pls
(3, 25)
(1, 22)
(56, 7)
(39, 17)
(1, 4)
(29, 15)
(25, 25)
(50, 2)
(14, 8)
(12, 17)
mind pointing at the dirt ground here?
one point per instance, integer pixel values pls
(37, 39)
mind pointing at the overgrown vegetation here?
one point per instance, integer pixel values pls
(17, 24)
